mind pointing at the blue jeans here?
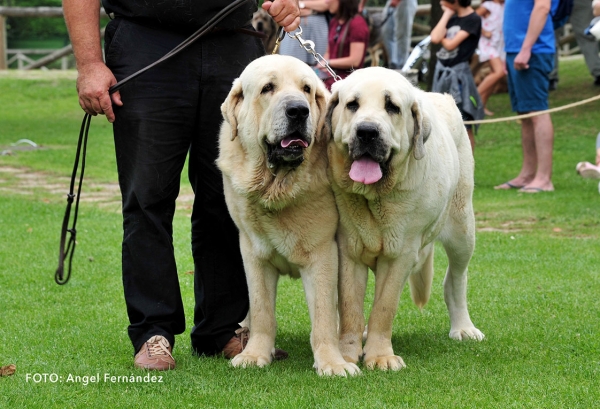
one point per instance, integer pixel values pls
(169, 111)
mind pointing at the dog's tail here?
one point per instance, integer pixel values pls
(420, 282)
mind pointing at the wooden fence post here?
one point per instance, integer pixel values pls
(3, 65)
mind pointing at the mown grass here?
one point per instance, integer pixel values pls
(533, 286)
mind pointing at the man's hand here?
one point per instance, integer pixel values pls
(286, 13)
(93, 83)
(522, 60)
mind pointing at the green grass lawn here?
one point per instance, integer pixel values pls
(534, 285)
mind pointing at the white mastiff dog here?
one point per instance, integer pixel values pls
(274, 164)
(401, 168)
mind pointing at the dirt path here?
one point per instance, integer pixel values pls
(20, 181)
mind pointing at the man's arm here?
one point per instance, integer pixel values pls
(537, 21)
(82, 18)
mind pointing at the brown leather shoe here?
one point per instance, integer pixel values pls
(155, 355)
(238, 342)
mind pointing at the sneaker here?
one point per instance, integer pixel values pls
(239, 341)
(155, 355)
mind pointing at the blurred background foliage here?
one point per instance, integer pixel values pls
(53, 30)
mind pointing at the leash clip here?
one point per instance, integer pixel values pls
(280, 37)
(309, 47)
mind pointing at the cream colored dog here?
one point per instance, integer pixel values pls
(402, 172)
(274, 166)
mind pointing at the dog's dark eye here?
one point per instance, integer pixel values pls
(267, 88)
(391, 108)
(352, 106)
(307, 89)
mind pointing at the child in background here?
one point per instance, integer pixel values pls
(491, 47)
(458, 31)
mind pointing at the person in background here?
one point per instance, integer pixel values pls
(348, 39)
(580, 19)
(160, 117)
(530, 47)
(458, 31)
(491, 47)
(315, 27)
(396, 32)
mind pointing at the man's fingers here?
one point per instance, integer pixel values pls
(86, 105)
(285, 13)
(116, 98)
(292, 26)
(106, 107)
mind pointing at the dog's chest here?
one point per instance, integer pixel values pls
(381, 228)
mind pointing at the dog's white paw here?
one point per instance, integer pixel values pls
(464, 334)
(245, 360)
(341, 369)
(390, 362)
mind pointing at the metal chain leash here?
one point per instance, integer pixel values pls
(309, 47)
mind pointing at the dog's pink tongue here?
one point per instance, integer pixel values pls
(365, 170)
(293, 141)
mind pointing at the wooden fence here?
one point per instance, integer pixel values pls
(25, 62)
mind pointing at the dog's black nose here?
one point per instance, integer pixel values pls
(297, 110)
(367, 132)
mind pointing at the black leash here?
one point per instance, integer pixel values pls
(59, 275)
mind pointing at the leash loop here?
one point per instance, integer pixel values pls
(59, 275)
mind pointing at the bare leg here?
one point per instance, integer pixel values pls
(471, 138)
(486, 87)
(529, 166)
(543, 145)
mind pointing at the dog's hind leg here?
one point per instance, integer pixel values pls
(458, 239)
(420, 282)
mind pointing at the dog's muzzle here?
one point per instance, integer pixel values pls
(288, 150)
(368, 154)
(368, 142)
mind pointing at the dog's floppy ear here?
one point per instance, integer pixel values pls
(333, 102)
(321, 98)
(422, 129)
(228, 108)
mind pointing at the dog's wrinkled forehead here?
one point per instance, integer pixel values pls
(271, 73)
(377, 86)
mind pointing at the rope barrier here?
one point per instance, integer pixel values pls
(532, 114)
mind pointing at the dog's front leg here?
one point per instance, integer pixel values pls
(352, 285)
(320, 286)
(389, 281)
(262, 280)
